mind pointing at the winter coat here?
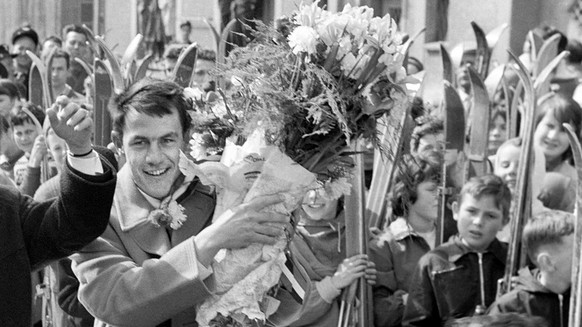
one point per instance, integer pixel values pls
(396, 253)
(451, 281)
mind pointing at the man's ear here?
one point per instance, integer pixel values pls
(117, 141)
(455, 210)
(545, 262)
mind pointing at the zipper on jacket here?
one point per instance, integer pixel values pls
(481, 308)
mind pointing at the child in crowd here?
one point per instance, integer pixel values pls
(550, 136)
(497, 131)
(319, 247)
(459, 278)
(428, 135)
(409, 236)
(544, 292)
(556, 191)
(25, 132)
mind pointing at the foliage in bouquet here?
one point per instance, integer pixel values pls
(316, 82)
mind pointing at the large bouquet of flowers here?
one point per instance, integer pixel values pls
(301, 92)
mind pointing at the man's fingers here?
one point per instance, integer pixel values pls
(269, 230)
(67, 112)
(261, 202)
(269, 217)
(52, 115)
(77, 117)
(87, 123)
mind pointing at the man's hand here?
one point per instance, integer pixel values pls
(39, 150)
(71, 123)
(240, 227)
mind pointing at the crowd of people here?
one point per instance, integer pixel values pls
(126, 271)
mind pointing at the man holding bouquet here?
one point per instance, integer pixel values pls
(151, 265)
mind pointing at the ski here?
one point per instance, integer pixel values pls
(454, 131)
(103, 88)
(128, 60)
(394, 130)
(448, 69)
(575, 314)
(116, 74)
(483, 54)
(356, 243)
(521, 204)
(544, 56)
(142, 68)
(3, 71)
(480, 113)
(185, 65)
(35, 86)
(542, 80)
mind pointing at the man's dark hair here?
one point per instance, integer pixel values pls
(73, 28)
(9, 88)
(152, 97)
(59, 53)
(57, 40)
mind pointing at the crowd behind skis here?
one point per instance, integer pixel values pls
(415, 281)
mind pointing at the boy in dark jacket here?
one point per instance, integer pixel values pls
(459, 278)
(549, 238)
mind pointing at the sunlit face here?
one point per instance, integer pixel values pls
(426, 204)
(562, 258)
(24, 136)
(75, 44)
(57, 148)
(507, 163)
(551, 137)
(431, 142)
(59, 72)
(20, 46)
(152, 149)
(318, 207)
(6, 104)
(497, 133)
(201, 70)
(478, 220)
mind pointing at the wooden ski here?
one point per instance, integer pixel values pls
(128, 59)
(480, 113)
(448, 69)
(547, 52)
(408, 44)
(575, 314)
(454, 130)
(483, 54)
(394, 130)
(103, 90)
(87, 69)
(214, 31)
(494, 35)
(185, 65)
(116, 74)
(35, 87)
(44, 79)
(542, 80)
(142, 68)
(356, 243)
(521, 204)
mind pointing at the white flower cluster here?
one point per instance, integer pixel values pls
(357, 38)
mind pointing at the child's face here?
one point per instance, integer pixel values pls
(318, 207)
(497, 133)
(426, 204)
(24, 136)
(560, 276)
(478, 220)
(551, 137)
(431, 142)
(507, 163)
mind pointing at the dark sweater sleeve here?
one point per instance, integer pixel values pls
(31, 181)
(55, 229)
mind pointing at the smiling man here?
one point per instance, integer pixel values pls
(142, 271)
(59, 71)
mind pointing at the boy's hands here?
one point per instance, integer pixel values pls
(71, 123)
(39, 150)
(353, 268)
